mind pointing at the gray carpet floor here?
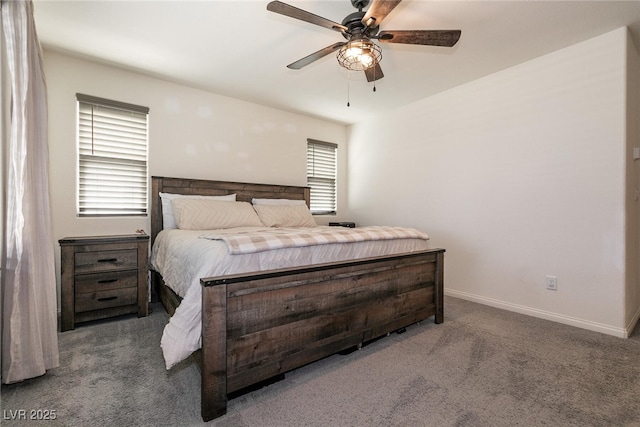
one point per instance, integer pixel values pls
(481, 367)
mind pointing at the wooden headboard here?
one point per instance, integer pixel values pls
(244, 193)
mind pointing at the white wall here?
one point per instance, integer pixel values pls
(632, 309)
(193, 134)
(518, 175)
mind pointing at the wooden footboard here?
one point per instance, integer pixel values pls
(256, 326)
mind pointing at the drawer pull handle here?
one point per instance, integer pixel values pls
(107, 281)
(108, 260)
(107, 298)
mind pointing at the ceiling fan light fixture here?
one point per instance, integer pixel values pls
(359, 54)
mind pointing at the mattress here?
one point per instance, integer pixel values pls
(183, 257)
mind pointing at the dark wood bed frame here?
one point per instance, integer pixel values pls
(260, 325)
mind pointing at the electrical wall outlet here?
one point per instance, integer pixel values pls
(552, 283)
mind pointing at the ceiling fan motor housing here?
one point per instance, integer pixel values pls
(359, 4)
(354, 23)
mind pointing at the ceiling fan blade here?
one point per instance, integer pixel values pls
(378, 10)
(374, 73)
(303, 15)
(315, 56)
(446, 38)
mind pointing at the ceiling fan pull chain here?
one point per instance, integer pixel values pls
(348, 92)
(374, 78)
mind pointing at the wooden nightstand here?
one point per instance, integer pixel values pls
(103, 276)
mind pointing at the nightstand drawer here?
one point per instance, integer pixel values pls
(93, 262)
(106, 281)
(105, 299)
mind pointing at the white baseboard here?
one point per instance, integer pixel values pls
(632, 324)
(547, 315)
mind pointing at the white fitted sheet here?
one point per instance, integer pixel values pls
(183, 258)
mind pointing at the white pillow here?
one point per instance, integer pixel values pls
(277, 202)
(285, 215)
(203, 214)
(168, 220)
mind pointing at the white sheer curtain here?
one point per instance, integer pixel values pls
(29, 317)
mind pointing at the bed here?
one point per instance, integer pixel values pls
(257, 325)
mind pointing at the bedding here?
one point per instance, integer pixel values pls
(278, 238)
(285, 215)
(183, 257)
(202, 214)
(256, 201)
(168, 219)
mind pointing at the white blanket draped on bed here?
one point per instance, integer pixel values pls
(183, 257)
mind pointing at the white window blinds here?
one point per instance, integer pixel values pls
(112, 157)
(321, 175)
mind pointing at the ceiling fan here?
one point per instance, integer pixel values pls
(359, 52)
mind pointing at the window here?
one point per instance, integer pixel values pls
(112, 157)
(321, 176)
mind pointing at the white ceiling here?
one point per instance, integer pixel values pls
(239, 49)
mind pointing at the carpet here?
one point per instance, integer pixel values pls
(481, 367)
